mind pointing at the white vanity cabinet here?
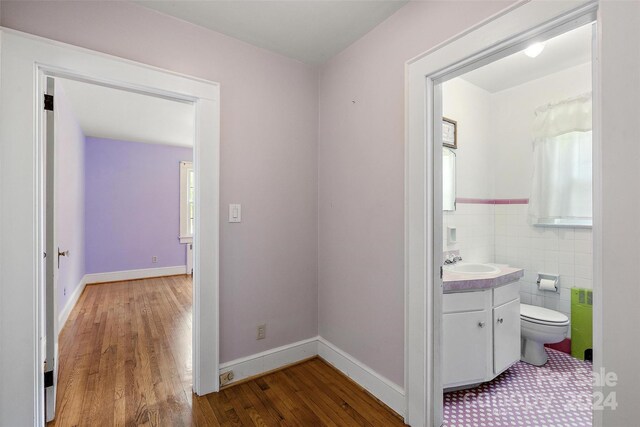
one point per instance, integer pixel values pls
(480, 334)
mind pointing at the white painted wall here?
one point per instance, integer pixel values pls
(470, 106)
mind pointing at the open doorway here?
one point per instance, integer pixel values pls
(28, 64)
(428, 236)
(517, 240)
(120, 216)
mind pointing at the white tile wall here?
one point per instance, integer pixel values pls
(563, 251)
(502, 234)
(475, 232)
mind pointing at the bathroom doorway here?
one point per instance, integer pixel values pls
(517, 237)
(488, 192)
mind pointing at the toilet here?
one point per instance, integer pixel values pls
(540, 326)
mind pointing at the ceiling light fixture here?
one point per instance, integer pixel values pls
(534, 50)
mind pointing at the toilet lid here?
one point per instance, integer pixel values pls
(534, 313)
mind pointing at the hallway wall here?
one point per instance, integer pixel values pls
(361, 179)
(269, 122)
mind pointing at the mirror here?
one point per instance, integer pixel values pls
(448, 179)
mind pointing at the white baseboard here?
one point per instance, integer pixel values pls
(116, 276)
(388, 392)
(71, 302)
(269, 360)
(384, 389)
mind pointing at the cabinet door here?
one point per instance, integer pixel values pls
(506, 335)
(466, 343)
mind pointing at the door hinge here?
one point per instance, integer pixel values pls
(48, 102)
(48, 379)
(441, 273)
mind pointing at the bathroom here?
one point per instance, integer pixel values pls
(517, 237)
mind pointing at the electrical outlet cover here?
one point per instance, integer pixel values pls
(226, 377)
(262, 332)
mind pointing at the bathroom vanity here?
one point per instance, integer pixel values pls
(480, 322)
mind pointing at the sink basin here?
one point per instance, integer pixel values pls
(472, 268)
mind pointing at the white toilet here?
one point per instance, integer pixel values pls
(540, 326)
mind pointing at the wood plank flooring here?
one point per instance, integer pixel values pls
(125, 360)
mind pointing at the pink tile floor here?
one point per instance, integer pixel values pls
(555, 395)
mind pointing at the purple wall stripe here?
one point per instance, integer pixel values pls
(472, 201)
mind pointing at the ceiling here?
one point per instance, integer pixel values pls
(310, 31)
(104, 112)
(565, 51)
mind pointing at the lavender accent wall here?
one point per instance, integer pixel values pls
(69, 209)
(132, 205)
(361, 180)
(269, 124)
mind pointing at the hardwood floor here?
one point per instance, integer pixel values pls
(125, 360)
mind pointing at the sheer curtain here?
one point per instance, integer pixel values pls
(561, 190)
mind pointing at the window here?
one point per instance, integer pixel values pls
(562, 180)
(187, 193)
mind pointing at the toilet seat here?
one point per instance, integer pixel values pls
(542, 316)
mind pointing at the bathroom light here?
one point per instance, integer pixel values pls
(534, 50)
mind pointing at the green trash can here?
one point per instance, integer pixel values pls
(582, 323)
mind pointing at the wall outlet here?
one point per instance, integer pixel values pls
(262, 332)
(226, 377)
(154, 259)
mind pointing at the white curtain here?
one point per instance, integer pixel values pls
(561, 190)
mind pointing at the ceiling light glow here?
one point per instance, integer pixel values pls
(534, 50)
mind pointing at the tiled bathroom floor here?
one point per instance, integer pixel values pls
(555, 395)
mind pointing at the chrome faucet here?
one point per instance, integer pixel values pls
(452, 259)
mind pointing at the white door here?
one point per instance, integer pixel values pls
(506, 335)
(465, 347)
(52, 260)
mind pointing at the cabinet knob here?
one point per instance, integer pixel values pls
(500, 320)
(481, 324)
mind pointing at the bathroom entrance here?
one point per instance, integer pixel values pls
(501, 218)
(517, 237)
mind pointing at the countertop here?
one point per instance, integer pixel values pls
(461, 282)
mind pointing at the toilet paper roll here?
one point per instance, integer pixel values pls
(547, 285)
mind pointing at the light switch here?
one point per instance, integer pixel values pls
(235, 213)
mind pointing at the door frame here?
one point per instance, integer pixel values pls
(52, 262)
(507, 32)
(27, 61)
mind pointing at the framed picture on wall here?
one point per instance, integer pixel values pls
(449, 133)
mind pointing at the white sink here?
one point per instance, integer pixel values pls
(472, 268)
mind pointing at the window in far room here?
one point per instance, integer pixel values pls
(186, 202)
